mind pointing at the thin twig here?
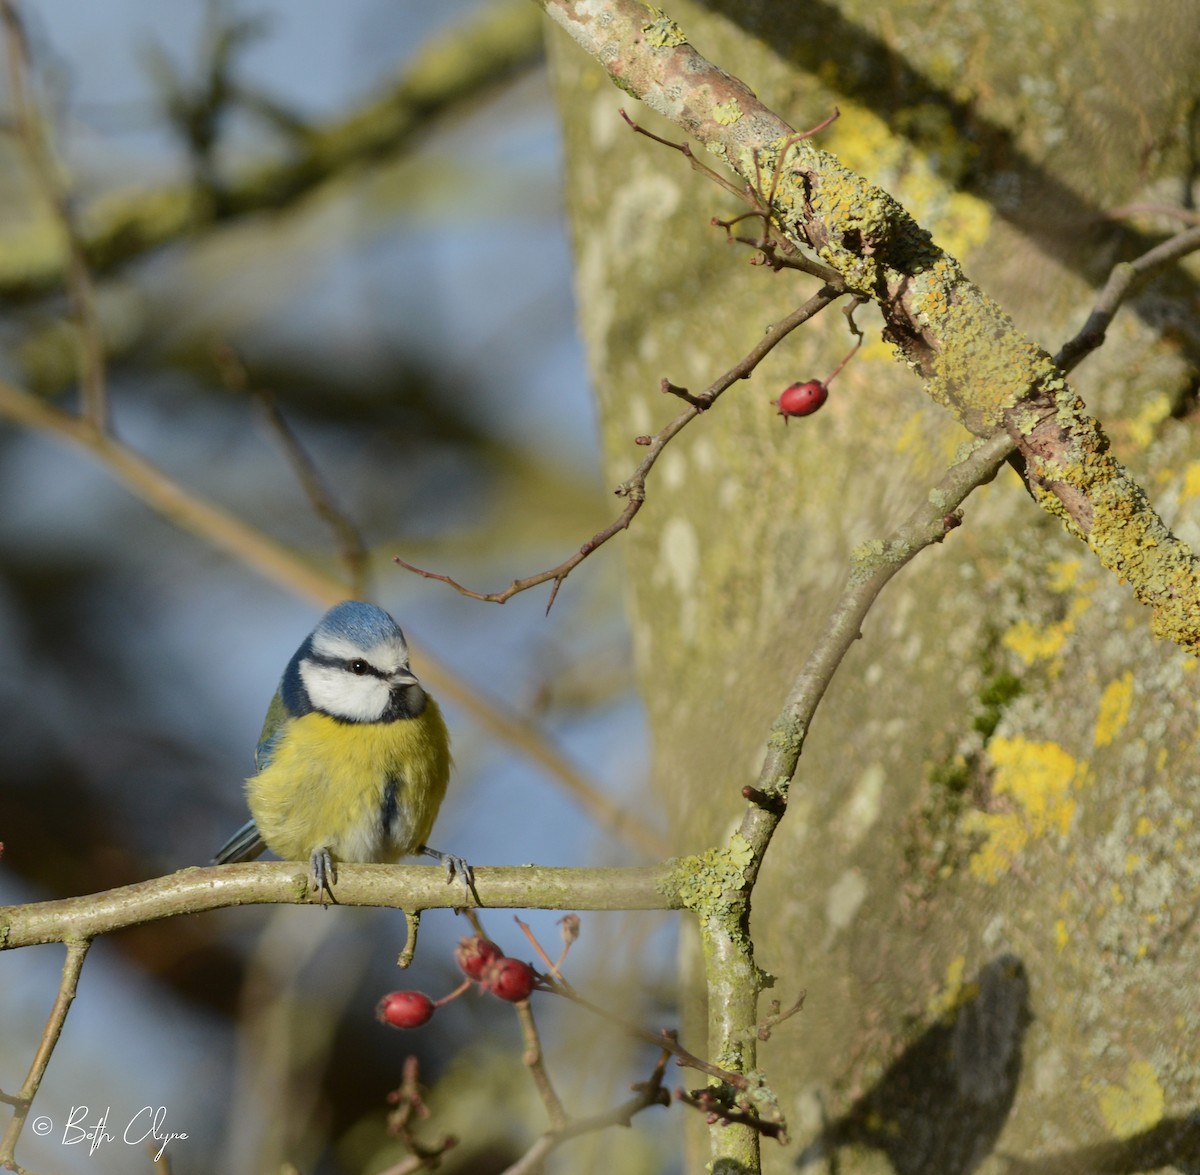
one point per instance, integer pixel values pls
(709, 1104)
(772, 1021)
(646, 1093)
(22, 1102)
(81, 291)
(1121, 283)
(634, 488)
(556, 983)
(535, 1061)
(410, 1105)
(1174, 212)
(873, 569)
(686, 151)
(351, 548)
(412, 926)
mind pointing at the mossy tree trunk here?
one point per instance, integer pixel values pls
(987, 877)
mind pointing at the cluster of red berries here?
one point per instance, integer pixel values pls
(482, 962)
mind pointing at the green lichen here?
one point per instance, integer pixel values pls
(704, 882)
(869, 557)
(662, 32)
(787, 736)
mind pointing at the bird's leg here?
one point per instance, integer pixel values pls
(323, 873)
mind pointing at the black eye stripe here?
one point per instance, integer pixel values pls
(356, 665)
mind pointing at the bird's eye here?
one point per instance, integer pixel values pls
(358, 667)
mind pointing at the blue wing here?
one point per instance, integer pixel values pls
(277, 717)
(246, 844)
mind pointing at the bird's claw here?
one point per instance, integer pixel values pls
(323, 874)
(455, 866)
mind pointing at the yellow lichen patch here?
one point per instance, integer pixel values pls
(1038, 779)
(662, 32)
(1061, 937)
(727, 113)
(1032, 643)
(1144, 425)
(1114, 709)
(1135, 1106)
(1063, 573)
(964, 222)
(954, 992)
(1191, 482)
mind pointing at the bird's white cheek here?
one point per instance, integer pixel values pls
(344, 695)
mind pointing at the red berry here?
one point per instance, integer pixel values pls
(510, 979)
(801, 399)
(405, 1009)
(474, 955)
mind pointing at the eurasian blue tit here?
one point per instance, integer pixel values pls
(354, 755)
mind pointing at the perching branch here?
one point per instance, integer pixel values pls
(400, 887)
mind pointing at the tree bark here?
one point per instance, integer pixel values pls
(986, 874)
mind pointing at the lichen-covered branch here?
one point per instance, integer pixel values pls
(718, 884)
(975, 361)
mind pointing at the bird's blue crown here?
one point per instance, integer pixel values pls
(364, 624)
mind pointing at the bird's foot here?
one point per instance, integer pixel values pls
(454, 866)
(323, 874)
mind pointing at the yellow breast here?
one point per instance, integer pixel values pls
(365, 791)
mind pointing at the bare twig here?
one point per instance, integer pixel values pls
(1121, 283)
(81, 292)
(646, 1093)
(22, 1102)
(410, 1105)
(634, 488)
(686, 151)
(535, 1062)
(772, 1021)
(557, 984)
(350, 545)
(412, 926)
(1172, 211)
(717, 1113)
